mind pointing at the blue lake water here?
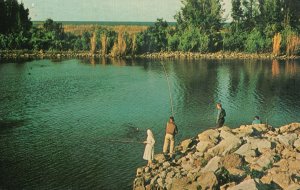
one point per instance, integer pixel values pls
(59, 119)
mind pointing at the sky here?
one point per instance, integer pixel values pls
(106, 10)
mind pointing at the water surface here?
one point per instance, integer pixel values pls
(58, 119)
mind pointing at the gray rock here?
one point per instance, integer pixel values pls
(202, 146)
(293, 186)
(246, 150)
(287, 139)
(163, 174)
(232, 161)
(209, 135)
(297, 144)
(166, 164)
(160, 182)
(187, 165)
(260, 144)
(138, 183)
(244, 130)
(185, 144)
(237, 173)
(265, 160)
(289, 128)
(229, 144)
(207, 180)
(249, 184)
(212, 165)
(153, 180)
(147, 169)
(179, 183)
(160, 158)
(170, 174)
(139, 172)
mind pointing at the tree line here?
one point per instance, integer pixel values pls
(256, 26)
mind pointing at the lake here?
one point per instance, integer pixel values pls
(65, 124)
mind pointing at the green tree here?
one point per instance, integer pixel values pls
(204, 14)
(14, 17)
(255, 42)
(154, 38)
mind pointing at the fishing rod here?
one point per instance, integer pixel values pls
(170, 94)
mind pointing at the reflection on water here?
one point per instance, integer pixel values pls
(60, 119)
(291, 68)
(275, 68)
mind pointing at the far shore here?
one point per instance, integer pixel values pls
(31, 54)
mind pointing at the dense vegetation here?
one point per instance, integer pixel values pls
(257, 26)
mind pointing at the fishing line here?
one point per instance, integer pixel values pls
(170, 94)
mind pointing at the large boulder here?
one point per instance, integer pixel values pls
(290, 128)
(232, 161)
(262, 128)
(265, 161)
(260, 144)
(297, 144)
(210, 135)
(288, 153)
(282, 179)
(246, 150)
(236, 173)
(160, 158)
(244, 130)
(202, 146)
(293, 186)
(251, 130)
(213, 165)
(208, 180)
(138, 183)
(294, 167)
(287, 139)
(178, 183)
(228, 144)
(185, 144)
(248, 184)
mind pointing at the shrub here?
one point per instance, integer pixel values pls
(255, 42)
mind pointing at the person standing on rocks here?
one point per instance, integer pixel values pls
(149, 149)
(221, 116)
(171, 131)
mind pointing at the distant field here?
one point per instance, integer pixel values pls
(78, 27)
(103, 23)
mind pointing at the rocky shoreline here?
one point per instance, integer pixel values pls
(251, 157)
(28, 54)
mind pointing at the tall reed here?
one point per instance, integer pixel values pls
(276, 44)
(93, 43)
(119, 48)
(293, 44)
(103, 45)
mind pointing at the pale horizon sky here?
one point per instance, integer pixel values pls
(107, 10)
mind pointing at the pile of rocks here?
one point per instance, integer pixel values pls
(216, 55)
(14, 54)
(249, 157)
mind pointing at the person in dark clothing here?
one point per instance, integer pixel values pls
(221, 116)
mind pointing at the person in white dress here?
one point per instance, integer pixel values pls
(149, 149)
